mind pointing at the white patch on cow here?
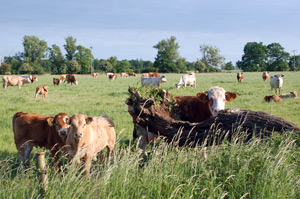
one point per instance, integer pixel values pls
(216, 96)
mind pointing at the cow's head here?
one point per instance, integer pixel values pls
(279, 78)
(216, 98)
(61, 123)
(78, 126)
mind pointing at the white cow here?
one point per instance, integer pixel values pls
(187, 80)
(154, 81)
(276, 81)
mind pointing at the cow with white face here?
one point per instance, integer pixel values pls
(204, 105)
(276, 82)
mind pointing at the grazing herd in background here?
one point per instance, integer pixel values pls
(82, 137)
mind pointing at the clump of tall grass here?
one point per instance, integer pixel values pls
(258, 169)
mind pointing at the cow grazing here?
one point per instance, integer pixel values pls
(94, 74)
(240, 76)
(56, 81)
(108, 74)
(265, 76)
(292, 94)
(32, 129)
(42, 90)
(63, 78)
(88, 136)
(153, 74)
(124, 75)
(71, 79)
(113, 76)
(187, 80)
(275, 98)
(132, 74)
(204, 105)
(145, 74)
(154, 81)
(17, 80)
(276, 82)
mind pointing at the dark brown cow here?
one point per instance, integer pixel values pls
(272, 97)
(71, 79)
(56, 81)
(132, 74)
(32, 129)
(204, 105)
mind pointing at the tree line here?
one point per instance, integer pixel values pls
(38, 58)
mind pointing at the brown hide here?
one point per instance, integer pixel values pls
(32, 129)
(55, 81)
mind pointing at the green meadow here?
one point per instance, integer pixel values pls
(260, 169)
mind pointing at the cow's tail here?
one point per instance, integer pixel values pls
(16, 115)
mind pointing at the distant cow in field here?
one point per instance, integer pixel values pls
(32, 129)
(9, 80)
(145, 74)
(275, 98)
(108, 74)
(42, 90)
(88, 136)
(56, 81)
(71, 79)
(154, 81)
(292, 94)
(240, 76)
(153, 74)
(63, 78)
(94, 74)
(187, 80)
(124, 75)
(265, 76)
(132, 74)
(276, 82)
(113, 76)
(204, 105)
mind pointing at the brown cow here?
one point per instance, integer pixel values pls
(94, 74)
(113, 76)
(132, 74)
(63, 78)
(124, 75)
(42, 90)
(269, 98)
(145, 75)
(240, 76)
(153, 74)
(56, 81)
(204, 105)
(71, 79)
(265, 76)
(32, 129)
(88, 136)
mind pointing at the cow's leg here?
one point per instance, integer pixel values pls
(87, 165)
(21, 153)
(28, 148)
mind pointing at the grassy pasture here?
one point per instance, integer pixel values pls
(259, 170)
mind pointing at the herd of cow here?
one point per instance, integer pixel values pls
(82, 137)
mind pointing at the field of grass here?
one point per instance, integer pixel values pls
(257, 170)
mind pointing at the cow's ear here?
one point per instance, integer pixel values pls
(88, 120)
(50, 121)
(230, 96)
(203, 97)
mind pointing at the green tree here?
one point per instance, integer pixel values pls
(105, 66)
(254, 58)
(5, 68)
(211, 56)
(113, 61)
(181, 65)
(25, 68)
(123, 66)
(278, 58)
(73, 67)
(229, 66)
(34, 52)
(56, 58)
(200, 66)
(83, 57)
(167, 55)
(294, 63)
(70, 47)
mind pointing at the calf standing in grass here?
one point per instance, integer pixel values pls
(88, 136)
(42, 90)
(240, 76)
(276, 82)
(265, 76)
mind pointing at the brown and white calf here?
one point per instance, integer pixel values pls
(94, 74)
(63, 78)
(240, 76)
(204, 105)
(265, 76)
(88, 136)
(71, 79)
(292, 94)
(113, 76)
(124, 75)
(132, 74)
(275, 98)
(56, 81)
(32, 129)
(42, 90)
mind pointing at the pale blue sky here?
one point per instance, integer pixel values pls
(129, 29)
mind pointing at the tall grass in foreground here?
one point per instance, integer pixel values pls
(259, 169)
